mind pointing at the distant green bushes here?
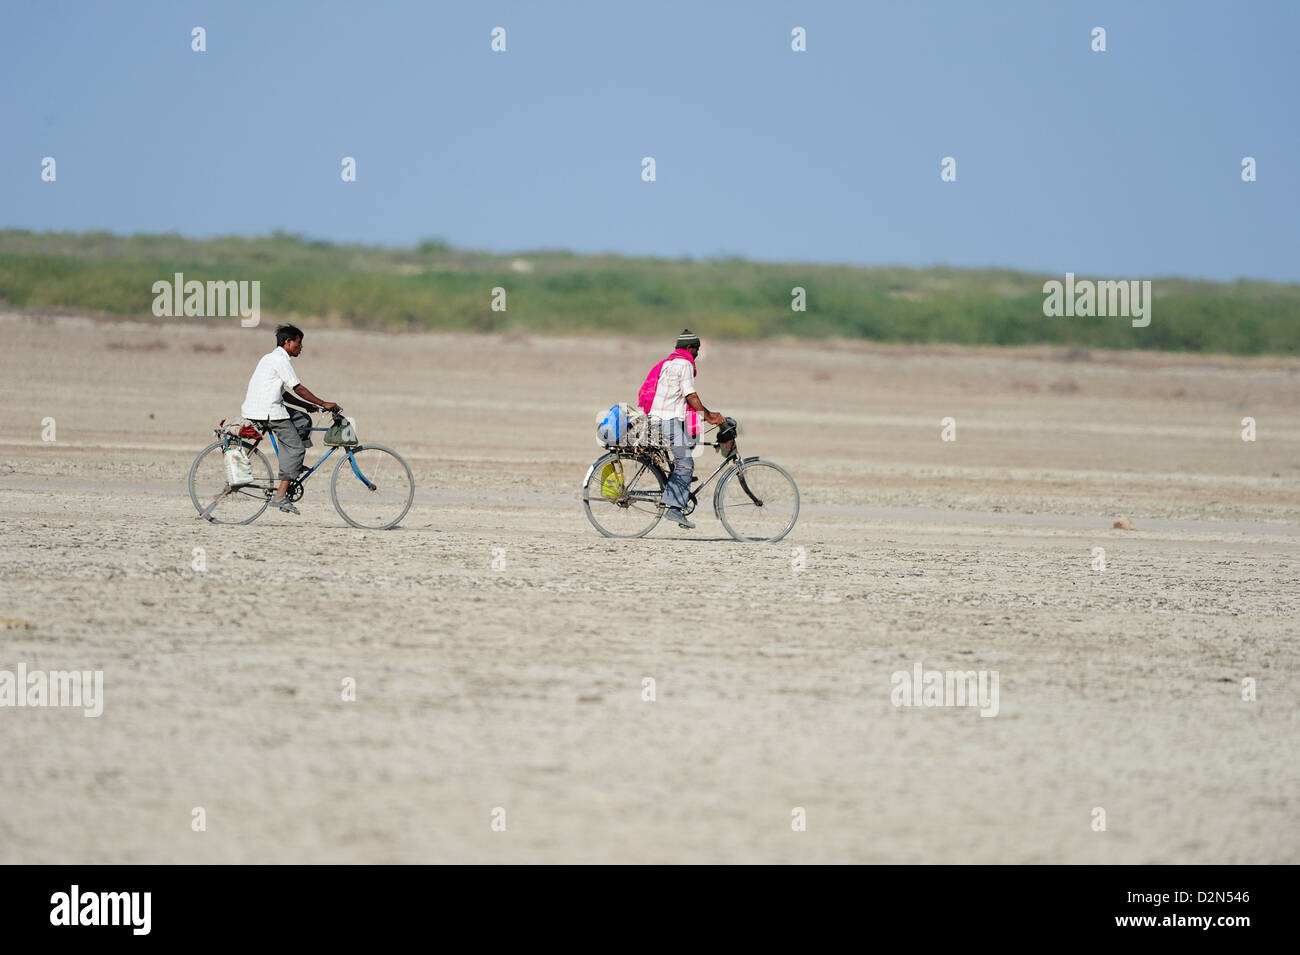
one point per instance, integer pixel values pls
(434, 286)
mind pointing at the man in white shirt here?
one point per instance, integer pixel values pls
(273, 383)
(674, 392)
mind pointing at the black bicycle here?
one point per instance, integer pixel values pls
(756, 500)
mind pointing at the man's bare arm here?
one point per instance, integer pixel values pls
(305, 393)
(712, 417)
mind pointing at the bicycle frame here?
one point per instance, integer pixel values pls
(733, 458)
(649, 453)
(720, 468)
(352, 458)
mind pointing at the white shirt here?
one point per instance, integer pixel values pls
(271, 378)
(676, 381)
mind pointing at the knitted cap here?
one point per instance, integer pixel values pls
(688, 339)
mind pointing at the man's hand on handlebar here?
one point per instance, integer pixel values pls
(331, 406)
(712, 417)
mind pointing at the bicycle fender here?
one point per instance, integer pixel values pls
(592, 468)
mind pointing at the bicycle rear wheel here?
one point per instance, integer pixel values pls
(757, 501)
(216, 501)
(622, 495)
(372, 487)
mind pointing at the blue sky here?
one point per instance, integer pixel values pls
(1121, 164)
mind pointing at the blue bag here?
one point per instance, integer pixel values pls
(611, 426)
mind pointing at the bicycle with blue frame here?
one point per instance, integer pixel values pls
(371, 487)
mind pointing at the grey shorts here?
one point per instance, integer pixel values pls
(291, 447)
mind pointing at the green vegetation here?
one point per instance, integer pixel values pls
(434, 286)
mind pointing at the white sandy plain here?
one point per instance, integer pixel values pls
(522, 687)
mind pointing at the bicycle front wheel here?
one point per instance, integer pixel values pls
(622, 496)
(372, 487)
(757, 501)
(214, 498)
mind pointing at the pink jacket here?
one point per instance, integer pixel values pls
(645, 398)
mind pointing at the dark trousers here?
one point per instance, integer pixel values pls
(291, 448)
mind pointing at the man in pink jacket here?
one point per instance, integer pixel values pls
(668, 397)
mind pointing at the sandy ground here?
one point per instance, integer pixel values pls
(522, 687)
